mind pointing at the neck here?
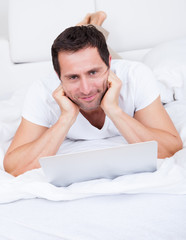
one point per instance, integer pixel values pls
(95, 117)
(90, 113)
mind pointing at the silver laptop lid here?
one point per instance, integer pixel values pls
(65, 169)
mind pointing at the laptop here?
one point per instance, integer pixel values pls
(65, 169)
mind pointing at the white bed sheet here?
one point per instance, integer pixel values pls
(140, 206)
(118, 217)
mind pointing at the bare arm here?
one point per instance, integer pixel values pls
(33, 141)
(150, 123)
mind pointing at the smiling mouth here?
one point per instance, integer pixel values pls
(88, 98)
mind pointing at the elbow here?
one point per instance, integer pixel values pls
(8, 166)
(15, 169)
(11, 168)
(178, 145)
(171, 149)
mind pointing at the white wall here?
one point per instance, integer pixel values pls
(3, 18)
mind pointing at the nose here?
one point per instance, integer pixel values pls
(85, 86)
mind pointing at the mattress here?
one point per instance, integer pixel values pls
(118, 217)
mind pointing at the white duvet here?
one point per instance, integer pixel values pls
(170, 178)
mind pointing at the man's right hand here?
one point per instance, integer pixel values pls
(67, 107)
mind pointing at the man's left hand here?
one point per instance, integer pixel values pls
(110, 101)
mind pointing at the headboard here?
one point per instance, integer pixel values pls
(135, 26)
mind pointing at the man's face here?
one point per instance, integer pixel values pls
(84, 77)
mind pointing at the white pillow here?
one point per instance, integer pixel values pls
(34, 24)
(168, 62)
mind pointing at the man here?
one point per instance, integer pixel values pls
(96, 99)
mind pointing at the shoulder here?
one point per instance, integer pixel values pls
(48, 83)
(132, 71)
(128, 70)
(44, 87)
(139, 83)
(40, 92)
(125, 66)
(39, 104)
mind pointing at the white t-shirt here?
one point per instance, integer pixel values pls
(138, 91)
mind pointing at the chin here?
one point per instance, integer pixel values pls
(89, 109)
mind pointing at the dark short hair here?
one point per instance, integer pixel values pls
(76, 38)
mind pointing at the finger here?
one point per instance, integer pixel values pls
(58, 91)
(58, 88)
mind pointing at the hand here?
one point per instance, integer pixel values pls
(110, 101)
(66, 105)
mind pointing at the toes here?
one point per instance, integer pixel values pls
(98, 18)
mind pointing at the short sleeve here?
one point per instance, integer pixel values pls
(145, 86)
(36, 108)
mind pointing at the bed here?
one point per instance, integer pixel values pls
(139, 206)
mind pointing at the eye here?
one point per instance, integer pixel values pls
(73, 77)
(93, 72)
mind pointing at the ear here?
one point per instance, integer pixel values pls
(110, 58)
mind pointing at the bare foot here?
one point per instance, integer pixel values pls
(85, 21)
(97, 18)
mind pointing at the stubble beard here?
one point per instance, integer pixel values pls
(86, 107)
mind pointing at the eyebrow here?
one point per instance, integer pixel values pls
(69, 75)
(94, 69)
